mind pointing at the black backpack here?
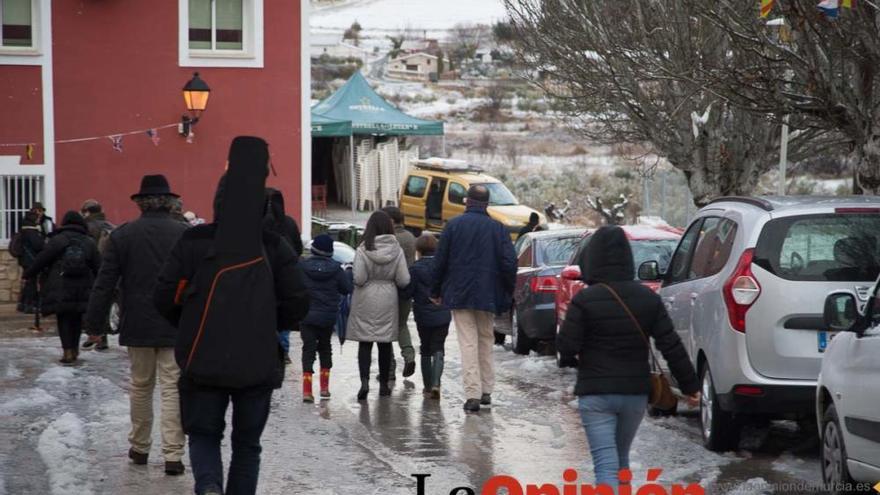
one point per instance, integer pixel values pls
(73, 260)
(16, 245)
(228, 333)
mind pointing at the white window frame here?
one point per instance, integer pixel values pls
(251, 56)
(36, 26)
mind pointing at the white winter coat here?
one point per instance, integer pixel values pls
(377, 276)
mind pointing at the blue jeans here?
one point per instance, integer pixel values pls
(611, 422)
(203, 412)
(284, 340)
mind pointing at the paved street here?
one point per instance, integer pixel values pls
(63, 431)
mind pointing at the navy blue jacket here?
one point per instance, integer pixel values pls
(427, 314)
(475, 265)
(327, 283)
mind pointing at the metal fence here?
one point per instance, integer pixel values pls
(18, 193)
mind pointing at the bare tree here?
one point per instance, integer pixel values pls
(635, 72)
(824, 71)
(466, 39)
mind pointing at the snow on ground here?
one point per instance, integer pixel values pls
(61, 446)
(386, 15)
(31, 399)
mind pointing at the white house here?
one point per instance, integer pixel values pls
(414, 67)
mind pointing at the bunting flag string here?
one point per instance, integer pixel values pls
(117, 143)
(115, 139)
(154, 136)
(766, 7)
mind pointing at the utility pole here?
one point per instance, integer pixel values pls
(783, 156)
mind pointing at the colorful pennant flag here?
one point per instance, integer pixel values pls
(154, 136)
(29, 151)
(766, 7)
(117, 142)
(847, 4)
(831, 8)
(189, 137)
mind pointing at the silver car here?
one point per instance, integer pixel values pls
(746, 289)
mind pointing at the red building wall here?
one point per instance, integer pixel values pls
(21, 110)
(116, 70)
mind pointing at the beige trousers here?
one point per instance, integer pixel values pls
(147, 363)
(476, 340)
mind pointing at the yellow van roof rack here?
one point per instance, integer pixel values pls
(445, 165)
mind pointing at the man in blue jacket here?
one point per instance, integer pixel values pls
(474, 275)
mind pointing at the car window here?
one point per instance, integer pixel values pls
(678, 269)
(457, 193)
(829, 247)
(713, 248)
(416, 186)
(659, 250)
(500, 195)
(525, 257)
(556, 251)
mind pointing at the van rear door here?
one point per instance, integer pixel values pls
(798, 260)
(412, 200)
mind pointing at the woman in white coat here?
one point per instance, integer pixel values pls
(379, 271)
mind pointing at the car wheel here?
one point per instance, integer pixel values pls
(719, 428)
(835, 473)
(520, 341)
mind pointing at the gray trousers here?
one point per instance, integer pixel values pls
(404, 339)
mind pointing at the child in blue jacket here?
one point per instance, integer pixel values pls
(327, 282)
(432, 321)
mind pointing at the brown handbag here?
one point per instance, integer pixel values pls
(661, 397)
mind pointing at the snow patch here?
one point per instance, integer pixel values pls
(57, 375)
(11, 373)
(555, 395)
(382, 15)
(62, 447)
(33, 398)
(752, 486)
(574, 404)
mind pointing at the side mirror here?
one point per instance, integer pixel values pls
(649, 271)
(841, 312)
(571, 272)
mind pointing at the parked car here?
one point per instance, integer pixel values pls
(540, 257)
(744, 290)
(435, 191)
(848, 393)
(648, 244)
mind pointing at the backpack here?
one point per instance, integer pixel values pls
(73, 260)
(16, 245)
(227, 334)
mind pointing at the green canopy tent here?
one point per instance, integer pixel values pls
(367, 114)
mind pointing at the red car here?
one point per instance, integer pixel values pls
(648, 243)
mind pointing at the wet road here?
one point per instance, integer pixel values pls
(64, 431)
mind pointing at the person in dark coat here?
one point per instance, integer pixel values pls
(613, 368)
(236, 234)
(277, 220)
(475, 272)
(407, 242)
(100, 229)
(133, 254)
(327, 283)
(46, 223)
(68, 265)
(534, 225)
(432, 320)
(32, 242)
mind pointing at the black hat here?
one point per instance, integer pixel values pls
(154, 185)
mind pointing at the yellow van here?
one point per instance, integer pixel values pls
(435, 190)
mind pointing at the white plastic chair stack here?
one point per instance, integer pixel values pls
(342, 174)
(366, 174)
(389, 171)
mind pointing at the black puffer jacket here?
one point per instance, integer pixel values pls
(135, 253)
(427, 314)
(62, 293)
(32, 242)
(327, 283)
(613, 357)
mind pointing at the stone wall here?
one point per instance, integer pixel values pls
(10, 275)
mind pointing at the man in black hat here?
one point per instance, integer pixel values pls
(230, 287)
(133, 255)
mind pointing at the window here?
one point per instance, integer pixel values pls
(678, 269)
(17, 195)
(412, 68)
(525, 257)
(842, 248)
(714, 247)
(659, 250)
(457, 193)
(16, 24)
(500, 195)
(556, 252)
(416, 186)
(221, 33)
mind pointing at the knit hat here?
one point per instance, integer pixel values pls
(323, 245)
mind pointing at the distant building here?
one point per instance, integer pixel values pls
(483, 55)
(431, 46)
(332, 45)
(415, 67)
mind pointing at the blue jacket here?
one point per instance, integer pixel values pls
(427, 314)
(327, 282)
(475, 265)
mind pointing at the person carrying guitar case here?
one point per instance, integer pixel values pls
(229, 287)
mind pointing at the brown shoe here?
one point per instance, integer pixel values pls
(138, 458)
(174, 468)
(68, 357)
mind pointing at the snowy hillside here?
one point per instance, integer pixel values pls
(392, 15)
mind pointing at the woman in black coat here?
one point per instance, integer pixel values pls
(613, 368)
(67, 266)
(32, 242)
